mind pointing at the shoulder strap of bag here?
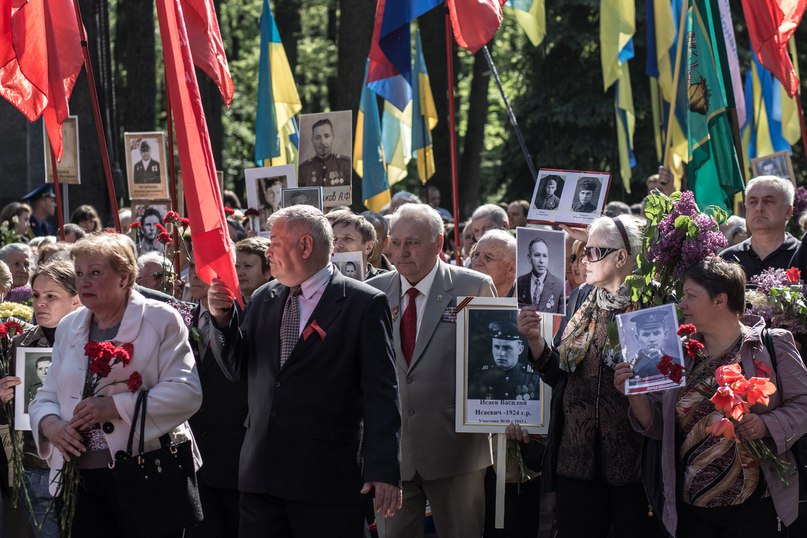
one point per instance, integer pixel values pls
(141, 402)
(767, 339)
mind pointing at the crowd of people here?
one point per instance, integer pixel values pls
(325, 406)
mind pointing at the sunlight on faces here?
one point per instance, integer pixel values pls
(20, 266)
(250, 273)
(697, 307)
(289, 251)
(99, 286)
(766, 209)
(492, 258)
(346, 238)
(413, 250)
(51, 302)
(605, 270)
(481, 225)
(151, 276)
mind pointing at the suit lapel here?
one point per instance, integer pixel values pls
(393, 292)
(276, 301)
(436, 303)
(326, 311)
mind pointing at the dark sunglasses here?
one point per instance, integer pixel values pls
(595, 254)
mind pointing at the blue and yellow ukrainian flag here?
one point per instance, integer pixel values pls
(396, 140)
(368, 157)
(276, 136)
(531, 16)
(424, 114)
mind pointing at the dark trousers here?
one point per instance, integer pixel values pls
(96, 508)
(221, 512)
(522, 505)
(756, 517)
(592, 508)
(265, 515)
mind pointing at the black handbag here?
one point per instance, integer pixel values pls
(156, 492)
(799, 448)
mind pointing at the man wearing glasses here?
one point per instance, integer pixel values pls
(539, 287)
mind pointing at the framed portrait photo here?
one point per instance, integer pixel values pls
(776, 164)
(326, 149)
(302, 196)
(31, 367)
(496, 385)
(264, 191)
(646, 337)
(149, 214)
(568, 197)
(146, 165)
(349, 264)
(69, 168)
(541, 270)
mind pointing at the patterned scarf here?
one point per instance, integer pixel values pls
(599, 306)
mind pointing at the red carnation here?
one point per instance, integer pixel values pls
(762, 368)
(793, 275)
(164, 238)
(676, 372)
(128, 348)
(135, 381)
(686, 329)
(122, 356)
(664, 365)
(3, 330)
(184, 221)
(160, 227)
(694, 348)
(110, 230)
(91, 349)
(229, 211)
(135, 224)
(170, 216)
(100, 367)
(251, 212)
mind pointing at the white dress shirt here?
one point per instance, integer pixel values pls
(424, 287)
(312, 290)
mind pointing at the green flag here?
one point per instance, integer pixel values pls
(713, 172)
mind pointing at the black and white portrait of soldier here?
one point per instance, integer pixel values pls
(549, 192)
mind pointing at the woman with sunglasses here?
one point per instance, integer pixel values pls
(593, 453)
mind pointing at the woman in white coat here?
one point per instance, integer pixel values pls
(95, 429)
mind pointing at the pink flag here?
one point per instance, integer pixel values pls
(211, 240)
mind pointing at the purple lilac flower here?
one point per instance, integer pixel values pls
(769, 278)
(20, 294)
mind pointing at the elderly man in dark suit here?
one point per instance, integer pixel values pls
(539, 287)
(324, 423)
(445, 467)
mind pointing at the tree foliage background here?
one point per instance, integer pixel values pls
(555, 89)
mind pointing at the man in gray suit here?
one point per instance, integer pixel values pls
(445, 467)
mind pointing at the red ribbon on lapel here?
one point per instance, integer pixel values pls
(313, 326)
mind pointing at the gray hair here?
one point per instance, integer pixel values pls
(491, 211)
(405, 197)
(307, 219)
(421, 213)
(155, 257)
(608, 228)
(782, 185)
(22, 248)
(501, 236)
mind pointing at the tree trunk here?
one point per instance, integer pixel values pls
(474, 142)
(134, 58)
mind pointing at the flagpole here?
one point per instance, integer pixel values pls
(452, 137)
(510, 114)
(172, 172)
(801, 119)
(57, 191)
(96, 112)
(682, 22)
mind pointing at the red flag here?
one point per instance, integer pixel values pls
(771, 24)
(211, 239)
(206, 44)
(40, 52)
(475, 22)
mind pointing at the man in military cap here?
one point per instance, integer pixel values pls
(506, 378)
(651, 333)
(43, 208)
(548, 199)
(146, 170)
(325, 169)
(585, 192)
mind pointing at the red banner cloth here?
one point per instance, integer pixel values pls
(771, 24)
(475, 22)
(213, 254)
(40, 59)
(207, 47)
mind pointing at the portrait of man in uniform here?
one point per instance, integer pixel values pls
(776, 164)
(147, 169)
(540, 286)
(41, 363)
(325, 152)
(503, 376)
(585, 199)
(549, 192)
(652, 330)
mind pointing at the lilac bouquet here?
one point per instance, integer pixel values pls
(779, 299)
(678, 235)
(799, 207)
(20, 294)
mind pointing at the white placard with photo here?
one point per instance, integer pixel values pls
(69, 168)
(149, 214)
(264, 190)
(146, 165)
(302, 196)
(349, 264)
(31, 367)
(568, 197)
(646, 336)
(541, 270)
(326, 149)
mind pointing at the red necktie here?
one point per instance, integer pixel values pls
(409, 325)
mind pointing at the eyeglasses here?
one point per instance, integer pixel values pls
(596, 254)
